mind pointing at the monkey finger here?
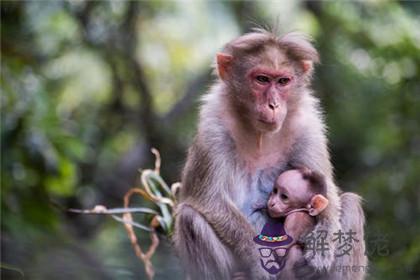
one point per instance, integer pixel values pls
(239, 275)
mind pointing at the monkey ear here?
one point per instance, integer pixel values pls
(223, 64)
(308, 66)
(318, 204)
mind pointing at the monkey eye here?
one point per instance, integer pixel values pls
(284, 81)
(275, 190)
(284, 196)
(262, 79)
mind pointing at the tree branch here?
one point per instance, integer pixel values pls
(191, 94)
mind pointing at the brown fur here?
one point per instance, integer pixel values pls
(297, 190)
(231, 165)
(297, 225)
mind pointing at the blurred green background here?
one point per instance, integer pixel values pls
(87, 88)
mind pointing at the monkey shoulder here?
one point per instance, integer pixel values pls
(298, 224)
(209, 158)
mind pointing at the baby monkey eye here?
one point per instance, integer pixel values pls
(284, 81)
(275, 190)
(283, 196)
(262, 79)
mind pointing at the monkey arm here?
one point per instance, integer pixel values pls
(299, 224)
(231, 227)
(234, 231)
(215, 236)
(206, 181)
(229, 224)
(312, 152)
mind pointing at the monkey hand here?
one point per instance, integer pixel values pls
(321, 254)
(302, 270)
(258, 273)
(240, 275)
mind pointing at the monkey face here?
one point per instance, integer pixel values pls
(270, 90)
(290, 192)
(271, 82)
(264, 82)
(278, 203)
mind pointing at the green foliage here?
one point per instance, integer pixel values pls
(87, 88)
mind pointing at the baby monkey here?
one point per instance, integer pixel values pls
(298, 196)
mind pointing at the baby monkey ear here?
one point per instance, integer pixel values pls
(224, 62)
(318, 204)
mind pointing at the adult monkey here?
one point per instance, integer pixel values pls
(259, 119)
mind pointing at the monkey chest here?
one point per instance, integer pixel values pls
(252, 198)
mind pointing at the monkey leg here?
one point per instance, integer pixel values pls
(299, 268)
(202, 253)
(293, 257)
(353, 265)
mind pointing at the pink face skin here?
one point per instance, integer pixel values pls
(271, 89)
(290, 192)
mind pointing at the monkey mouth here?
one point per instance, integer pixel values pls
(271, 122)
(274, 213)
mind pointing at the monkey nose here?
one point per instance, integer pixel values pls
(273, 106)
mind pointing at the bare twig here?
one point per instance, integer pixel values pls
(144, 257)
(99, 209)
(152, 185)
(158, 160)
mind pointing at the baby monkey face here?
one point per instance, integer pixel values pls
(290, 191)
